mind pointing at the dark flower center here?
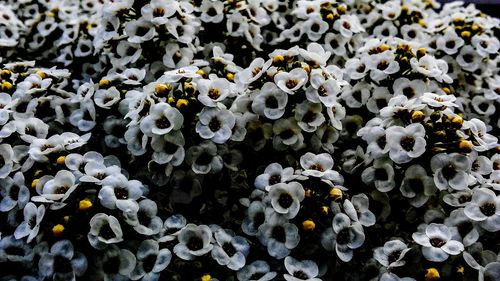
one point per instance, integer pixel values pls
(357, 95)
(394, 256)
(170, 148)
(488, 209)
(407, 143)
(468, 58)
(343, 237)
(309, 117)
(315, 27)
(286, 134)
(14, 192)
(214, 125)
(259, 219)
(274, 179)
(204, 159)
(214, 93)
(32, 222)
(158, 12)
(437, 242)
(62, 264)
(271, 102)
(195, 243)
(106, 232)
(361, 68)
(141, 31)
(300, 275)
(317, 167)
(148, 263)
(416, 185)
(285, 200)
(449, 171)
(409, 92)
(163, 123)
(211, 12)
(450, 44)
(61, 189)
(279, 234)
(381, 141)
(229, 249)
(381, 175)
(256, 71)
(121, 193)
(382, 65)
(290, 84)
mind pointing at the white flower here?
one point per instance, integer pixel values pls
(212, 11)
(151, 261)
(381, 65)
(270, 101)
(286, 198)
(257, 68)
(104, 230)
(319, 166)
(309, 115)
(450, 42)
(406, 143)
(119, 192)
(437, 243)
(301, 270)
(485, 209)
(344, 236)
(417, 186)
(139, 31)
(273, 174)
(161, 120)
(194, 241)
(230, 251)
(348, 25)
(485, 45)
(315, 54)
(204, 159)
(215, 124)
(213, 91)
(291, 81)
(392, 253)
(55, 190)
(30, 227)
(450, 170)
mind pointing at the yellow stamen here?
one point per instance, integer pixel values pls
(308, 225)
(34, 183)
(85, 204)
(181, 103)
(336, 194)
(432, 274)
(58, 230)
(60, 160)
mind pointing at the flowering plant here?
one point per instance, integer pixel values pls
(249, 140)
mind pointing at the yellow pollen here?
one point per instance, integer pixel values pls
(308, 225)
(181, 103)
(58, 230)
(60, 160)
(431, 274)
(85, 204)
(34, 183)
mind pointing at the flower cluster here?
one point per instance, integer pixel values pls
(249, 140)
